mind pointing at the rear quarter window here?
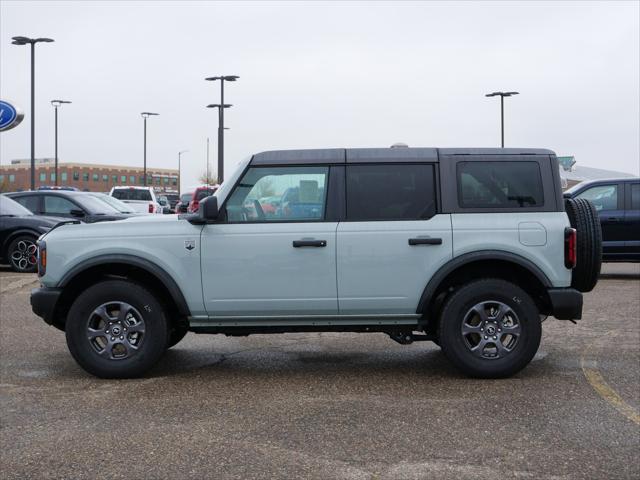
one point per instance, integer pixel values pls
(507, 185)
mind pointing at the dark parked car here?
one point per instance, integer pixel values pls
(183, 204)
(618, 204)
(173, 199)
(69, 205)
(19, 231)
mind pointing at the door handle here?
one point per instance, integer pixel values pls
(425, 241)
(309, 243)
(613, 219)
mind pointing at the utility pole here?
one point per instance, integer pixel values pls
(501, 95)
(222, 79)
(56, 104)
(32, 42)
(146, 115)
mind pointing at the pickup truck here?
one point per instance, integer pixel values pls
(141, 199)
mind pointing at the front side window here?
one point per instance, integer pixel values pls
(499, 185)
(279, 194)
(54, 205)
(604, 197)
(390, 192)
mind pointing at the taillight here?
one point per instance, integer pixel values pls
(570, 247)
(151, 208)
(42, 258)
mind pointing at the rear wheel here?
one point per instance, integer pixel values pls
(23, 254)
(116, 329)
(490, 329)
(584, 218)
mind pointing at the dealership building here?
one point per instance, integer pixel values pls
(83, 176)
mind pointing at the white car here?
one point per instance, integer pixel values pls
(141, 199)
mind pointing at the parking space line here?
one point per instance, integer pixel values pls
(602, 388)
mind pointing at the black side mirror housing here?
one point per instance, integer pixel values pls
(208, 209)
(76, 212)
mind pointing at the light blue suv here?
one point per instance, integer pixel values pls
(469, 248)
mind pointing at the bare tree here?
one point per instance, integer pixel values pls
(211, 180)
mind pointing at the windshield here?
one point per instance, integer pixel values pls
(113, 202)
(93, 205)
(11, 208)
(132, 194)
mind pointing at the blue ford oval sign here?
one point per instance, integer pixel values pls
(10, 116)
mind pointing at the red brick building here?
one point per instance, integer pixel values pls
(84, 176)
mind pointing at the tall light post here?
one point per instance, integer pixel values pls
(221, 129)
(179, 175)
(501, 95)
(32, 42)
(56, 104)
(222, 78)
(146, 115)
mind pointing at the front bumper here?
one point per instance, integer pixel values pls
(44, 301)
(566, 303)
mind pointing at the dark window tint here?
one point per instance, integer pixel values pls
(635, 196)
(58, 205)
(390, 192)
(204, 194)
(30, 202)
(131, 194)
(499, 185)
(186, 197)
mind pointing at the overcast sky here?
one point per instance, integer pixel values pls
(324, 75)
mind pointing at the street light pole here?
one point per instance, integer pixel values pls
(223, 78)
(179, 175)
(501, 95)
(146, 115)
(56, 104)
(221, 130)
(32, 42)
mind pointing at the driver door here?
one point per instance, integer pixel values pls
(272, 257)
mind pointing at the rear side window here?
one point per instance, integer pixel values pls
(30, 202)
(499, 185)
(132, 194)
(390, 192)
(635, 196)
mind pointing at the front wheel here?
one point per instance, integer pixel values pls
(490, 329)
(116, 329)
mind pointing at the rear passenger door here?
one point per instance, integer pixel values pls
(392, 239)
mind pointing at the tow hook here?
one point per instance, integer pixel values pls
(405, 338)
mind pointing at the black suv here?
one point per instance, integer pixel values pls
(617, 201)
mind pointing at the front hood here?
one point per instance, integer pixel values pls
(136, 226)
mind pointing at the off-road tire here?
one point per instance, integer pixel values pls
(143, 303)
(583, 216)
(456, 310)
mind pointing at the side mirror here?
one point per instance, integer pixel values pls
(76, 212)
(208, 210)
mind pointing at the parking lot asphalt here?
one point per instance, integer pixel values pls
(326, 406)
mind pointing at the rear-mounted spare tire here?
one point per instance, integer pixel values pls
(584, 218)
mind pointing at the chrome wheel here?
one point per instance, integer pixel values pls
(115, 330)
(491, 330)
(24, 255)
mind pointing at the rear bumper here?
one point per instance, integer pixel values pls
(566, 303)
(44, 301)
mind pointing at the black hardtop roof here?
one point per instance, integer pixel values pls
(374, 155)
